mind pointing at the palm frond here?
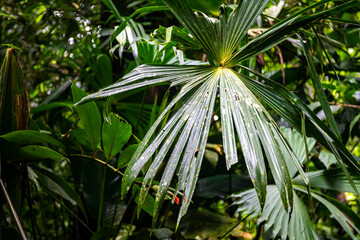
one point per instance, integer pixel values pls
(222, 36)
(146, 75)
(253, 127)
(291, 108)
(294, 225)
(333, 179)
(285, 28)
(342, 219)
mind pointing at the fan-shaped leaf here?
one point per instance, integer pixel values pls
(342, 219)
(294, 225)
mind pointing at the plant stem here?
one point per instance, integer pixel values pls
(102, 198)
(237, 224)
(15, 216)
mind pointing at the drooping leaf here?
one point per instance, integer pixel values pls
(90, 117)
(333, 179)
(297, 145)
(291, 108)
(26, 137)
(55, 184)
(319, 90)
(36, 152)
(342, 219)
(115, 134)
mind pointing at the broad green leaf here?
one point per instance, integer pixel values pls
(35, 152)
(104, 69)
(319, 90)
(126, 155)
(327, 158)
(333, 179)
(90, 117)
(25, 137)
(115, 134)
(80, 139)
(55, 184)
(289, 225)
(342, 219)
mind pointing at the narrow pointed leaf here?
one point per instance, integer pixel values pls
(319, 90)
(26, 137)
(286, 28)
(56, 184)
(333, 179)
(291, 108)
(144, 10)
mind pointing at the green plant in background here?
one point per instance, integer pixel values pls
(183, 138)
(66, 174)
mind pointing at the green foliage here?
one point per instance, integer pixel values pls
(192, 119)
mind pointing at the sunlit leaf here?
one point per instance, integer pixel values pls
(115, 134)
(90, 116)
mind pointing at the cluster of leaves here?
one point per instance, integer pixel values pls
(229, 91)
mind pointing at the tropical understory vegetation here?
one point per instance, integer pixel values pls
(177, 119)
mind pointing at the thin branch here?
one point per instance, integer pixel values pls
(345, 105)
(13, 211)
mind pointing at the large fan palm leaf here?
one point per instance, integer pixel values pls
(182, 140)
